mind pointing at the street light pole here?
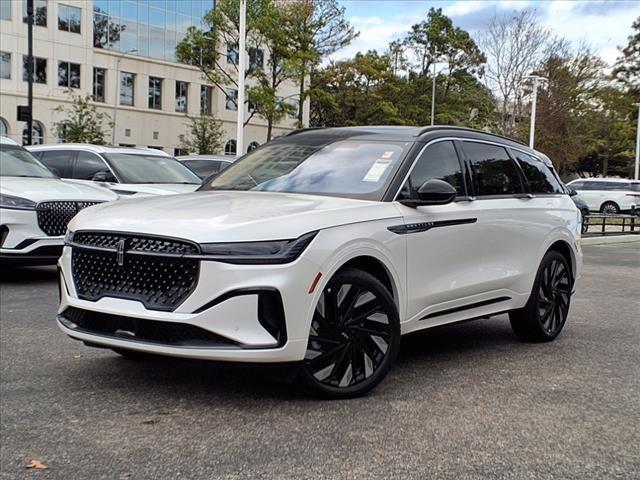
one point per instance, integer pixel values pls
(635, 170)
(30, 70)
(433, 95)
(532, 128)
(241, 68)
(115, 101)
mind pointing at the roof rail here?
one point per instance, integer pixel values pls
(466, 129)
(300, 130)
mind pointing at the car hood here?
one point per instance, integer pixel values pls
(43, 189)
(126, 190)
(231, 216)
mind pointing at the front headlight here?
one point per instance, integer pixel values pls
(16, 203)
(248, 253)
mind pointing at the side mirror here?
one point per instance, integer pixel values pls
(571, 191)
(102, 176)
(436, 192)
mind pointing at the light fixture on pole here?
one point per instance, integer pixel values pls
(635, 170)
(241, 71)
(115, 101)
(532, 128)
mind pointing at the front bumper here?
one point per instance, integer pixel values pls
(23, 242)
(222, 319)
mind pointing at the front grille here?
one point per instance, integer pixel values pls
(147, 269)
(53, 217)
(151, 331)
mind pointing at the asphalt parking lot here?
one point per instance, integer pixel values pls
(464, 402)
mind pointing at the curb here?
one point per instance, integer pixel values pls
(613, 239)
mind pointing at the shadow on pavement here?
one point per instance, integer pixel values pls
(27, 275)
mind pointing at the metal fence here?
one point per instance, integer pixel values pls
(597, 224)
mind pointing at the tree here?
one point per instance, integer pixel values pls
(514, 47)
(204, 136)
(627, 67)
(83, 124)
(318, 29)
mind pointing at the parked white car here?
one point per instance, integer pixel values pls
(125, 170)
(206, 165)
(35, 207)
(325, 246)
(609, 195)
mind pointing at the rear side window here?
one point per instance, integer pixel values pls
(59, 161)
(540, 178)
(439, 161)
(203, 168)
(87, 165)
(494, 171)
(577, 185)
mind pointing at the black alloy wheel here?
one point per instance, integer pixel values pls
(610, 208)
(354, 336)
(545, 314)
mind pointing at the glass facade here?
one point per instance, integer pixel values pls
(68, 75)
(5, 10)
(127, 81)
(152, 27)
(69, 18)
(99, 78)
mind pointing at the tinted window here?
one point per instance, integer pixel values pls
(577, 185)
(540, 178)
(87, 165)
(18, 162)
(59, 161)
(203, 168)
(495, 173)
(439, 161)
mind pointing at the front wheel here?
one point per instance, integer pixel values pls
(544, 315)
(610, 208)
(354, 337)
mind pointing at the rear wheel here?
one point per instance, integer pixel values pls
(545, 314)
(354, 337)
(610, 208)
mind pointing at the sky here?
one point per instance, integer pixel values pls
(603, 24)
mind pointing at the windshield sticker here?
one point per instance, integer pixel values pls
(377, 170)
(387, 154)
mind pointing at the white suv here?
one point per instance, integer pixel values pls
(127, 171)
(609, 195)
(35, 207)
(324, 247)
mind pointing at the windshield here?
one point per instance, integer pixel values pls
(347, 168)
(17, 162)
(150, 169)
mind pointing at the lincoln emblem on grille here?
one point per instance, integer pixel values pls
(120, 252)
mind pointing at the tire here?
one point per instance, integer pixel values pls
(354, 337)
(610, 208)
(135, 355)
(544, 315)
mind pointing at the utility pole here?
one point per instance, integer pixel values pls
(635, 170)
(532, 128)
(433, 95)
(115, 101)
(241, 68)
(30, 71)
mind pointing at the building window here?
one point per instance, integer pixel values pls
(252, 146)
(232, 54)
(127, 132)
(231, 100)
(182, 89)
(205, 99)
(69, 19)
(156, 135)
(4, 129)
(37, 133)
(39, 69)
(126, 88)
(230, 147)
(39, 12)
(5, 10)
(99, 75)
(68, 75)
(5, 65)
(256, 58)
(155, 93)
(295, 108)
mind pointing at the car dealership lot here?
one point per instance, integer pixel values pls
(464, 401)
